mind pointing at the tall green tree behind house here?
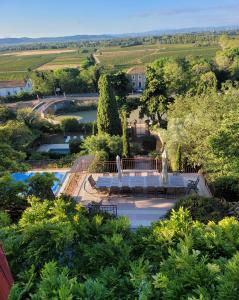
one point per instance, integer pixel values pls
(108, 120)
(154, 101)
(121, 86)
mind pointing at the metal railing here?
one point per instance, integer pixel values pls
(138, 164)
(103, 208)
(47, 164)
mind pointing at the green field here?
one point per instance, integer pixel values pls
(15, 65)
(123, 58)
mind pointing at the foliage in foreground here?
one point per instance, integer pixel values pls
(203, 209)
(58, 251)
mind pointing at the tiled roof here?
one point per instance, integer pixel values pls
(136, 70)
(12, 84)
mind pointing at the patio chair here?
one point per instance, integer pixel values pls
(125, 190)
(193, 185)
(114, 190)
(92, 182)
(181, 191)
(138, 190)
(161, 191)
(151, 190)
(171, 192)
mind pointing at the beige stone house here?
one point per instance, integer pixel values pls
(137, 78)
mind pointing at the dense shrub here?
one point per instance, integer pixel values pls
(75, 146)
(227, 187)
(149, 143)
(4, 219)
(70, 125)
(112, 145)
(6, 114)
(203, 209)
(97, 165)
(19, 97)
(60, 251)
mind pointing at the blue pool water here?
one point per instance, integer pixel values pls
(24, 176)
(59, 151)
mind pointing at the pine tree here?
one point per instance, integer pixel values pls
(108, 120)
(125, 141)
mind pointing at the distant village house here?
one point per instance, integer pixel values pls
(11, 88)
(137, 78)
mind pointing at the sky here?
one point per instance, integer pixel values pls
(38, 18)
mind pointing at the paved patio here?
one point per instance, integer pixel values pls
(141, 209)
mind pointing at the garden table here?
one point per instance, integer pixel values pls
(140, 181)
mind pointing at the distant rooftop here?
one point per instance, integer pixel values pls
(136, 70)
(12, 83)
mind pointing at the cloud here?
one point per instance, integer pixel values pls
(186, 11)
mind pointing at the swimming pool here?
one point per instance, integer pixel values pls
(59, 151)
(56, 186)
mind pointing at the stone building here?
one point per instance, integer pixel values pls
(137, 78)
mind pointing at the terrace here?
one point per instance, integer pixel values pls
(140, 193)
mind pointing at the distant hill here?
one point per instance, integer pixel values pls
(79, 38)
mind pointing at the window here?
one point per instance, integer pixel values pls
(133, 77)
(139, 77)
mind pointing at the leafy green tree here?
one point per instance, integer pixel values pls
(75, 146)
(43, 83)
(208, 81)
(12, 196)
(112, 145)
(10, 159)
(41, 185)
(108, 120)
(154, 101)
(68, 80)
(176, 76)
(121, 87)
(205, 125)
(70, 125)
(225, 143)
(16, 134)
(6, 114)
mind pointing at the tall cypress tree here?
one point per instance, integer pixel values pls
(125, 140)
(108, 120)
(179, 163)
